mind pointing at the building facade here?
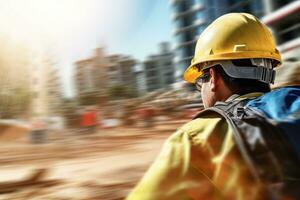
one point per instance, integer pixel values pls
(39, 88)
(97, 75)
(55, 95)
(283, 17)
(113, 70)
(46, 88)
(127, 73)
(91, 75)
(121, 71)
(140, 79)
(190, 19)
(159, 70)
(217, 8)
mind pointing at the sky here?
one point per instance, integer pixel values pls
(69, 30)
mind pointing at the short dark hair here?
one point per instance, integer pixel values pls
(241, 86)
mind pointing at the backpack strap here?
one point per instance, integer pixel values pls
(226, 110)
(248, 135)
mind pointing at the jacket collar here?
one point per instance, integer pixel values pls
(245, 96)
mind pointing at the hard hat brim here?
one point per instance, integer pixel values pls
(194, 71)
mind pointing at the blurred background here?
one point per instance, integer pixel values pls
(90, 89)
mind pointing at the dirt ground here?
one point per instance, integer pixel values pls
(104, 165)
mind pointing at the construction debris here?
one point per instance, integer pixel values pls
(35, 180)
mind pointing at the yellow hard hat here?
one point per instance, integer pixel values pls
(232, 36)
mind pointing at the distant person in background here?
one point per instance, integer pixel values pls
(149, 116)
(127, 116)
(146, 114)
(89, 120)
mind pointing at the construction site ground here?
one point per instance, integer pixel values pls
(103, 165)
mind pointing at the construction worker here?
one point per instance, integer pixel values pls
(234, 60)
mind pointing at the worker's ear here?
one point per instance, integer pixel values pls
(214, 79)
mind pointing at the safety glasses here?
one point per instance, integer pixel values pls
(200, 80)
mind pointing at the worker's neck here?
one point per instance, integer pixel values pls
(224, 94)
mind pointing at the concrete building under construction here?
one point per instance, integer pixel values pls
(159, 69)
(90, 75)
(283, 17)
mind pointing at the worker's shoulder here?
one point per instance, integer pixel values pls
(205, 123)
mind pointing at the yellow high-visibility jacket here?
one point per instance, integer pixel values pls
(199, 161)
